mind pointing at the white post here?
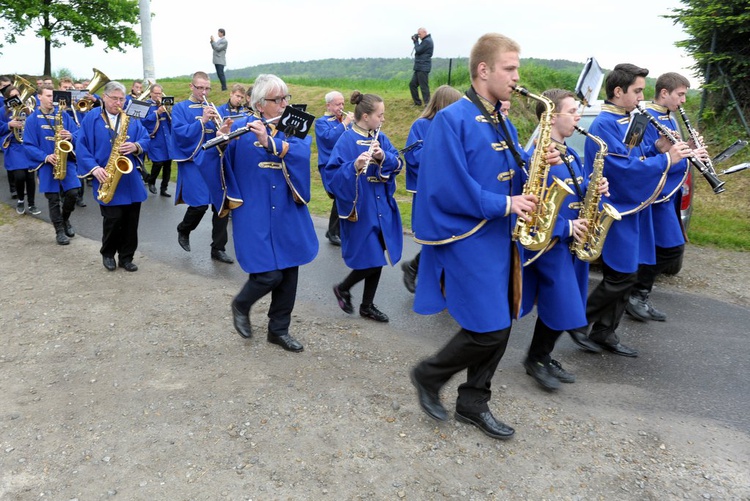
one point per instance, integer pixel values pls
(147, 47)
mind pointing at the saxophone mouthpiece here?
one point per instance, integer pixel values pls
(521, 90)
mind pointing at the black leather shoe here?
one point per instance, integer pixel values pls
(486, 422)
(344, 298)
(371, 311)
(70, 232)
(152, 188)
(241, 323)
(220, 255)
(165, 194)
(555, 369)
(410, 276)
(429, 401)
(184, 240)
(109, 263)
(620, 349)
(129, 266)
(334, 239)
(583, 342)
(61, 238)
(539, 372)
(287, 342)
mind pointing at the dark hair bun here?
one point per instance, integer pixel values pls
(356, 97)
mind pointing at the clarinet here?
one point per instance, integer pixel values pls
(717, 185)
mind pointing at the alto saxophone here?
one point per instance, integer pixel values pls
(536, 233)
(599, 221)
(62, 147)
(117, 165)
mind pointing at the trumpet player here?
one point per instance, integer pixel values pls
(195, 121)
(16, 161)
(46, 155)
(158, 123)
(670, 93)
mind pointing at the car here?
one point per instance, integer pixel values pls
(683, 203)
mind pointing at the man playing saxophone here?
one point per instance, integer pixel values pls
(48, 137)
(100, 130)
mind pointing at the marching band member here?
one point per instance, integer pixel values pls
(158, 123)
(235, 105)
(361, 173)
(41, 148)
(328, 130)
(635, 177)
(193, 123)
(272, 229)
(100, 130)
(15, 159)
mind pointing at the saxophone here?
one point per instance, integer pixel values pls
(536, 233)
(62, 147)
(599, 221)
(117, 165)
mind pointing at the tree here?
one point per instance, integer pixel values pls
(719, 32)
(110, 21)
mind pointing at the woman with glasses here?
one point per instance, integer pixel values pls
(271, 225)
(361, 173)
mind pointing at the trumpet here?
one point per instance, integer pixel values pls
(217, 120)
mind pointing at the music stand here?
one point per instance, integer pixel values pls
(295, 122)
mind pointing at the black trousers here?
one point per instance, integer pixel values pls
(334, 228)
(193, 216)
(11, 182)
(477, 352)
(371, 276)
(543, 342)
(25, 185)
(282, 284)
(220, 74)
(60, 208)
(606, 304)
(647, 273)
(157, 167)
(420, 79)
(120, 230)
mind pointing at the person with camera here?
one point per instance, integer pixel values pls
(220, 56)
(423, 48)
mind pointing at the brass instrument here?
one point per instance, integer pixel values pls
(217, 120)
(599, 221)
(98, 81)
(117, 165)
(28, 103)
(62, 146)
(710, 175)
(716, 184)
(536, 233)
(147, 92)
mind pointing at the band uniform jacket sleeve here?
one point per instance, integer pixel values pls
(462, 214)
(188, 134)
(39, 141)
(328, 130)
(14, 153)
(159, 128)
(413, 157)
(93, 148)
(271, 229)
(365, 202)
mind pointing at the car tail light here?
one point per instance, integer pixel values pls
(687, 192)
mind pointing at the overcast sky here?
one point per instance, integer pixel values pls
(303, 30)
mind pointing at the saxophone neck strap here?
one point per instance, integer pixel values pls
(572, 172)
(474, 98)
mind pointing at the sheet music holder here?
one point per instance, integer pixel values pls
(62, 95)
(167, 101)
(295, 122)
(301, 107)
(636, 128)
(77, 95)
(13, 102)
(589, 82)
(137, 109)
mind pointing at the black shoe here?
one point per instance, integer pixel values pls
(129, 266)
(334, 239)
(344, 298)
(417, 103)
(80, 202)
(184, 240)
(152, 188)
(410, 277)
(372, 311)
(165, 194)
(639, 307)
(287, 342)
(109, 263)
(555, 369)
(620, 349)
(486, 422)
(61, 237)
(34, 210)
(13, 194)
(221, 256)
(241, 323)
(429, 401)
(538, 371)
(69, 230)
(583, 341)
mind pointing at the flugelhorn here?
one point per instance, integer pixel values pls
(97, 81)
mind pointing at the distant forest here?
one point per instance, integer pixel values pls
(372, 68)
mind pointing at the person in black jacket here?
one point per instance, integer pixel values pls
(423, 48)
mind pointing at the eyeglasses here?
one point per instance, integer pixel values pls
(278, 100)
(118, 99)
(201, 88)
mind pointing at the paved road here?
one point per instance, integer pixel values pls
(695, 364)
